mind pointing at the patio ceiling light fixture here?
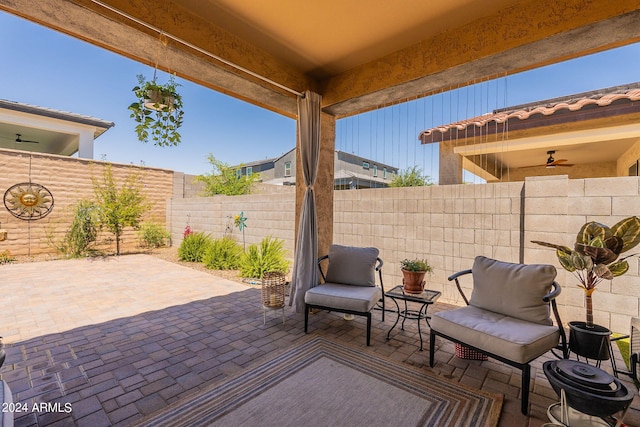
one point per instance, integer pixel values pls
(550, 160)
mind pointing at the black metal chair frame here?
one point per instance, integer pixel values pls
(524, 367)
(367, 314)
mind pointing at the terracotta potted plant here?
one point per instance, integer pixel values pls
(413, 272)
(157, 111)
(594, 258)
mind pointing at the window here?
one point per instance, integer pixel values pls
(365, 165)
(384, 173)
(238, 173)
(287, 169)
(249, 170)
(375, 170)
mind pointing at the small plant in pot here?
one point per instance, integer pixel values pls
(413, 272)
(594, 258)
(157, 111)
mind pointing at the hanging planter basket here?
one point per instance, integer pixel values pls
(158, 100)
(157, 112)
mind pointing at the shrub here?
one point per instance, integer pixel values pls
(222, 254)
(410, 177)
(193, 247)
(223, 180)
(6, 257)
(268, 256)
(153, 235)
(82, 235)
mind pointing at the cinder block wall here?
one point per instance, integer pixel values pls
(69, 180)
(267, 215)
(556, 208)
(450, 225)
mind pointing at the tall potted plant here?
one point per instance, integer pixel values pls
(413, 272)
(594, 258)
(157, 111)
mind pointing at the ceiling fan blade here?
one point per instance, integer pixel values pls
(555, 162)
(19, 139)
(532, 166)
(565, 164)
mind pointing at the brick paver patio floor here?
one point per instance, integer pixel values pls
(107, 341)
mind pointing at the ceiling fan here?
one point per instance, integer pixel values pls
(552, 163)
(19, 140)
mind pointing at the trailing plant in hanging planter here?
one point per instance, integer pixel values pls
(158, 112)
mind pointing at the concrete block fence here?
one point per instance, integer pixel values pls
(449, 226)
(267, 215)
(69, 180)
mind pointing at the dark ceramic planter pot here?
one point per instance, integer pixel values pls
(588, 389)
(592, 343)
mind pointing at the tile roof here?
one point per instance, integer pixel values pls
(56, 114)
(572, 103)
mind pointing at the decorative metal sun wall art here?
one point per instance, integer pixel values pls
(28, 201)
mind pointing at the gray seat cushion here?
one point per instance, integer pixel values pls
(514, 339)
(515, 290)
(344, 297)
(351, 265)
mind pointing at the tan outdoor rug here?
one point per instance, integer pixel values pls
(321, 383)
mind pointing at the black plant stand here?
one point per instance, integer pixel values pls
(591, 343)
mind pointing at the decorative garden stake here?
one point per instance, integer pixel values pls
(240, 222)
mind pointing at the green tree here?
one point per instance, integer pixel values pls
(119, 207)
(224, 180)
(410, 177)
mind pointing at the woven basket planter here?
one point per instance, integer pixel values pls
(273, 290)
(468, 353)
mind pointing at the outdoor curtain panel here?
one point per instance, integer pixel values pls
(305, 270)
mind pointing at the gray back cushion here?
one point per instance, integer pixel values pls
(349, 265)
(515, 290)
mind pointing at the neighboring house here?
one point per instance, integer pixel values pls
(44, 130)
(351, 171)
(586, 135)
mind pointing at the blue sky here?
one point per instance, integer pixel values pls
(46, 68)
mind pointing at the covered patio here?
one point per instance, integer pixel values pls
(120, 342)
(355, 55)
(155, 333)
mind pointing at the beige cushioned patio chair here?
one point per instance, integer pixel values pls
(349, 285)
(508, 316)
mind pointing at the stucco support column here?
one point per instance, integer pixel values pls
(450, 165)
(324, 184)
(85, 145)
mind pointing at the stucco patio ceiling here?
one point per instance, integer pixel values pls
(358, 54)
